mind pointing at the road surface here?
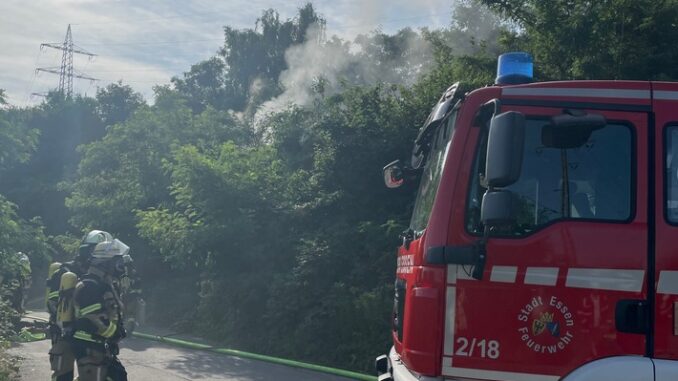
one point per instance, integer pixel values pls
(149, 360)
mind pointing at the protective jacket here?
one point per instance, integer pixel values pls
(98, 311)
(98, 328)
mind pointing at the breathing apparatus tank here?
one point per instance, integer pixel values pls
(66, 309)
(54, 267)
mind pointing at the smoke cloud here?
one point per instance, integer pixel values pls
(320, 68)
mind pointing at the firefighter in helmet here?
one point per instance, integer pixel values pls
(61, 281)
(23, 283)
(99, 327)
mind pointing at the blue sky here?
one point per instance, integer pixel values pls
(144, 43)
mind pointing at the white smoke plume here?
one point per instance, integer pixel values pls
(320, 68)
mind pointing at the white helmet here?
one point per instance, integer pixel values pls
(89, 241)
(109, 256)
(97, 236)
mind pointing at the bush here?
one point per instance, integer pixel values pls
(8, 319)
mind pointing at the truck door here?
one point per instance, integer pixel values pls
(566, 284)
(665, 102)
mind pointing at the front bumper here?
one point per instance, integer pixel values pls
(390, 368)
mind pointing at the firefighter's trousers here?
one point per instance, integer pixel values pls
(97, 365)
(62, 359)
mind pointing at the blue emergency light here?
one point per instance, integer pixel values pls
(514, 68)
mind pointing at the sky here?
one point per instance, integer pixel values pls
(146, 43)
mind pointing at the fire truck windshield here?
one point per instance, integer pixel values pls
(430, 178)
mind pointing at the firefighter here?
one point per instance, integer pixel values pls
(99, 326)
(131, 294)
(61, 281)
(22, 283)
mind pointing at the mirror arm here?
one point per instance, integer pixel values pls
(486, 112)
(481, 250)
(479, 267)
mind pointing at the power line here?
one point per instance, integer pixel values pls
(30, 88)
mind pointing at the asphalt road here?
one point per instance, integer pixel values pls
(149, 360)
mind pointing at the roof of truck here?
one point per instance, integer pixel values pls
(628, 92)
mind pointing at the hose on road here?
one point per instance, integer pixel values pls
(255, 356)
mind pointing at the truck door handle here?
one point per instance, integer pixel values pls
(632, 316)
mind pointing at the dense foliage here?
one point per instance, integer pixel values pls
(250, 190)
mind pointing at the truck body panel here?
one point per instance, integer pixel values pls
(589, 275)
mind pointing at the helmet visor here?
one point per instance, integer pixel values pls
(110, 249)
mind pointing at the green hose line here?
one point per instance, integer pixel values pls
(254, 356)
(248, 355)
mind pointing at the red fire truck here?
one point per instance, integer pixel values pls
(543, 244)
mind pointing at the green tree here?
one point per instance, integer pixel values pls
(125, 171)
(611, 39)
(17, 140)
(62, 124)
(205, 85)
(116, 103)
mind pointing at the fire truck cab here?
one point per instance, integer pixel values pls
(543, 244)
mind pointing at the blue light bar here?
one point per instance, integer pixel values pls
(514, 68)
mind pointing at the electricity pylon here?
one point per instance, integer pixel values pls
(66, 71)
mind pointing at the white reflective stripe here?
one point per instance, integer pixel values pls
(544, 276)
(451, 299)
(577, 92)
(606, 279)
(668, 283)
(452, 274)
(665, 95)
(504, 274)
(495, 375)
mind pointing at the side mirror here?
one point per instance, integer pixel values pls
(571, 129)
(393, 175)
(505, 149)
(498, 208)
